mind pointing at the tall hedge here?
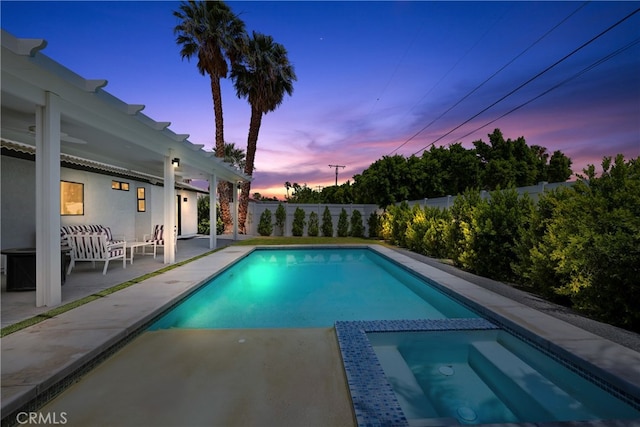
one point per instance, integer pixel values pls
(312, 229)
(591, 245)
(343, 224)
(298, 222)
(579, 246)
(281, 217)
(357, 228)
(265, 227)
(327, 223)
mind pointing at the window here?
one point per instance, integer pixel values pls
(119, 185)
(71, 198)
(142, 202)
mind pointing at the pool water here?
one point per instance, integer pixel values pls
(292, 288)
(479, 377)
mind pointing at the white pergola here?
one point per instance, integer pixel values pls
(59, 112)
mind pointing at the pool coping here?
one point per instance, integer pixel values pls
(39, 361)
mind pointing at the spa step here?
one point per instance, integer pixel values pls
(410, 395)
(433, 422)
(528, 393)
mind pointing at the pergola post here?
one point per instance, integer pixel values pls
(235, 210)
(48, 256)
(213, 214)
(169, 210)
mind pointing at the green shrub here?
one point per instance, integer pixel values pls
(591, 244)
(394, 224)
(416, 228)
(281, 218)
(327, 223)
(357, 228)
(374, 225)
(495, 234)
(204, 226)
(312, 229)
(265, 227)
(460, 232)
(436, 237)
(298, 222)
(343, 224)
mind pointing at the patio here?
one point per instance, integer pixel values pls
(85, 280)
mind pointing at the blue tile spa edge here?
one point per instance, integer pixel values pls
(374, 401)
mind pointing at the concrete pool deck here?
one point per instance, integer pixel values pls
(268, 363)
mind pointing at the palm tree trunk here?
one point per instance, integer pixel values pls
(252, 143)
(223, 193)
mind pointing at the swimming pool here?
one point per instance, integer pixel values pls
(293, 288)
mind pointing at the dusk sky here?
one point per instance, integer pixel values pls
(374, 78)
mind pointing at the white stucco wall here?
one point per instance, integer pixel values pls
(18, 205)
(102, 205)
(188, 212)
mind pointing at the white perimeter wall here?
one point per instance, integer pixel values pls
(102, 205)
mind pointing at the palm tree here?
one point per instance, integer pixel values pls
(236, 157)
(264, 76)
(210, 31)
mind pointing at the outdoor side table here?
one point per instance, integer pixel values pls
(133, 245)
(21, 268)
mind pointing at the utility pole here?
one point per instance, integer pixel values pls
(337, 166)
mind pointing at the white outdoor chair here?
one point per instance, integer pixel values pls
(92, 246)
(157, 239)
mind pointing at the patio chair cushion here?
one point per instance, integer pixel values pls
(86, 228)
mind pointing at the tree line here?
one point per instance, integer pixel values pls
(578, 246)
(442, 171)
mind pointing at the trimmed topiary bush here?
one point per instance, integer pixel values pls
(265, 227)
(343, 224)
(298, 222)
(281, 217)
(327, 223)
(312, 230)
(374, 225)
(357, 229)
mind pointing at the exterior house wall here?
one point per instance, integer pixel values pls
(18, 178)
(188, 212)
(103, 205)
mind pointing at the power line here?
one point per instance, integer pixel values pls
(578, 74)
(492, 76)
(533, 78)
(393, 74)
(489, 28)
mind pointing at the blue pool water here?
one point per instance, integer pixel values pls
(291, 288)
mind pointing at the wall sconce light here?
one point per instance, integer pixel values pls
(175, 162)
